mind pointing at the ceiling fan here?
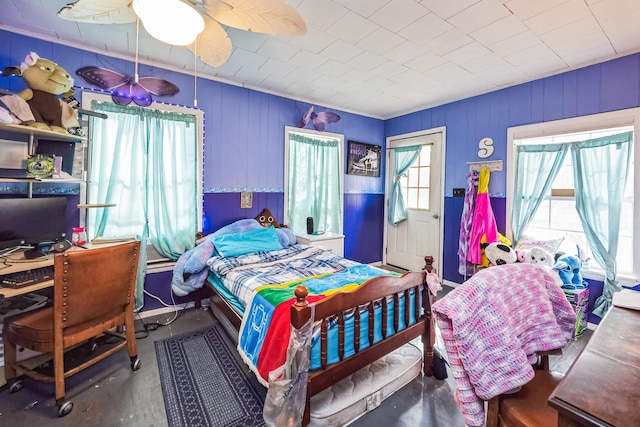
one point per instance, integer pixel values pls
(213, 43)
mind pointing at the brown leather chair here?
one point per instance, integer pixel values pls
(93, 295)
(528, 407)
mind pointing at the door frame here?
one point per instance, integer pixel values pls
(394, 142)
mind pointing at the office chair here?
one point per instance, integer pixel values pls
(527, 407)
(93, 295)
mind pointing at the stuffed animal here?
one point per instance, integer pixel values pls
(45, 81)
(500, 254)
(483, 247)
(568, 268)
(266, 218)
(540, 256)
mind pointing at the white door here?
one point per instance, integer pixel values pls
(409, 241)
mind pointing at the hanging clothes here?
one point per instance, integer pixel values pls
(465, 268)
(483, 223)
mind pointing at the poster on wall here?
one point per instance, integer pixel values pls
(363, 159)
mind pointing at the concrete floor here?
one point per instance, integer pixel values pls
(110, 394)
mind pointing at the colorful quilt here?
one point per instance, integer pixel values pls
(264, 334)
(265, 283)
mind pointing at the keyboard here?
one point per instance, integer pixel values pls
(24, 278)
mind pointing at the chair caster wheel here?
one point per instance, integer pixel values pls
(16, 386)
(135, 364)
(65, 408)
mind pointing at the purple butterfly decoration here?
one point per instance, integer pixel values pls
(124, 89)
(319, 119)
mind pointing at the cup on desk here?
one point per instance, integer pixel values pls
(79, 236)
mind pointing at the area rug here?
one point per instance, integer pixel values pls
(204, 382)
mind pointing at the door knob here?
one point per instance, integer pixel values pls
(436, 216)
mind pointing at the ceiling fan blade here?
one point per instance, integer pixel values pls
(214, 45)
(99, 11)
(260, 16)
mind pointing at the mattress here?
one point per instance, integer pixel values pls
(363, 391)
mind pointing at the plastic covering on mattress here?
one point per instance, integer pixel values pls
(363, 391)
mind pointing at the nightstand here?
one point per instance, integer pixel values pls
(330, 241)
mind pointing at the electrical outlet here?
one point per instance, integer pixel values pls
(458, 192)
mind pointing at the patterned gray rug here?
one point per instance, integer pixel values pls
(204, 382)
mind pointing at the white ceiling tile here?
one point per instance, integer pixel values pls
(537, 60)
(274, 66)
(576, 37)
(276, 49)
(333, 68)
(499, 30)
(246, 40)
(426, 28)
(317, 15)
(398, 14)
(249, 59)
(448, 72)
(564, 14)
(479, 15)
(516, 43)
(366, 61)
(483, 63)
(341, 51)
(449, 41)
(307, 60)
(389, 69)
(380, 41)
(525, 9)
(585, 57)
(351, 28)
(467, 53)
(503, 75)
(362, 7)
(406, 51)
(623, 32)
(313, 41)
(613, 9)
(446, 9)
(425, 61)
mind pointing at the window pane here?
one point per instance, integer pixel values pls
(424, 198)
(412, 199)
(425, 176)
(413, 177)
(425, 156)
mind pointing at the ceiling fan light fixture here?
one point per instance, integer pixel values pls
(170, 21)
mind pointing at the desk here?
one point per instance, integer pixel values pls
(602, 387)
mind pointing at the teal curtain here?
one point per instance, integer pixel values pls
(600, 169)
(144, 161)
(314, 184)
(403, 159)
(536, 168)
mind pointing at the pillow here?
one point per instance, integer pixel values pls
(528, 242)
(246, 242)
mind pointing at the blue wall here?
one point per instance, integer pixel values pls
(244, 138)
(243, 147)
(612, 85)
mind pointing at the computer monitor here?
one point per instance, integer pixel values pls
(29, 221)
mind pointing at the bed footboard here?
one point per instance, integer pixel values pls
(378, 292)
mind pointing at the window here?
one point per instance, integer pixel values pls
(313, 180)
(557, 214)
(148, 162)
(416, 183)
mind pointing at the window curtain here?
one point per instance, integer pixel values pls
(536, 168)
(403, 159)
(144, 161)
(600, 172)
(314, 184)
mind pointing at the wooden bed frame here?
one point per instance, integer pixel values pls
(376, 289)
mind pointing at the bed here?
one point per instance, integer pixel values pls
(360, 313)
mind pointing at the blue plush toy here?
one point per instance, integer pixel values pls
(568, 268)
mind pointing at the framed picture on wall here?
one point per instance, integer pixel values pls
(363, 159)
